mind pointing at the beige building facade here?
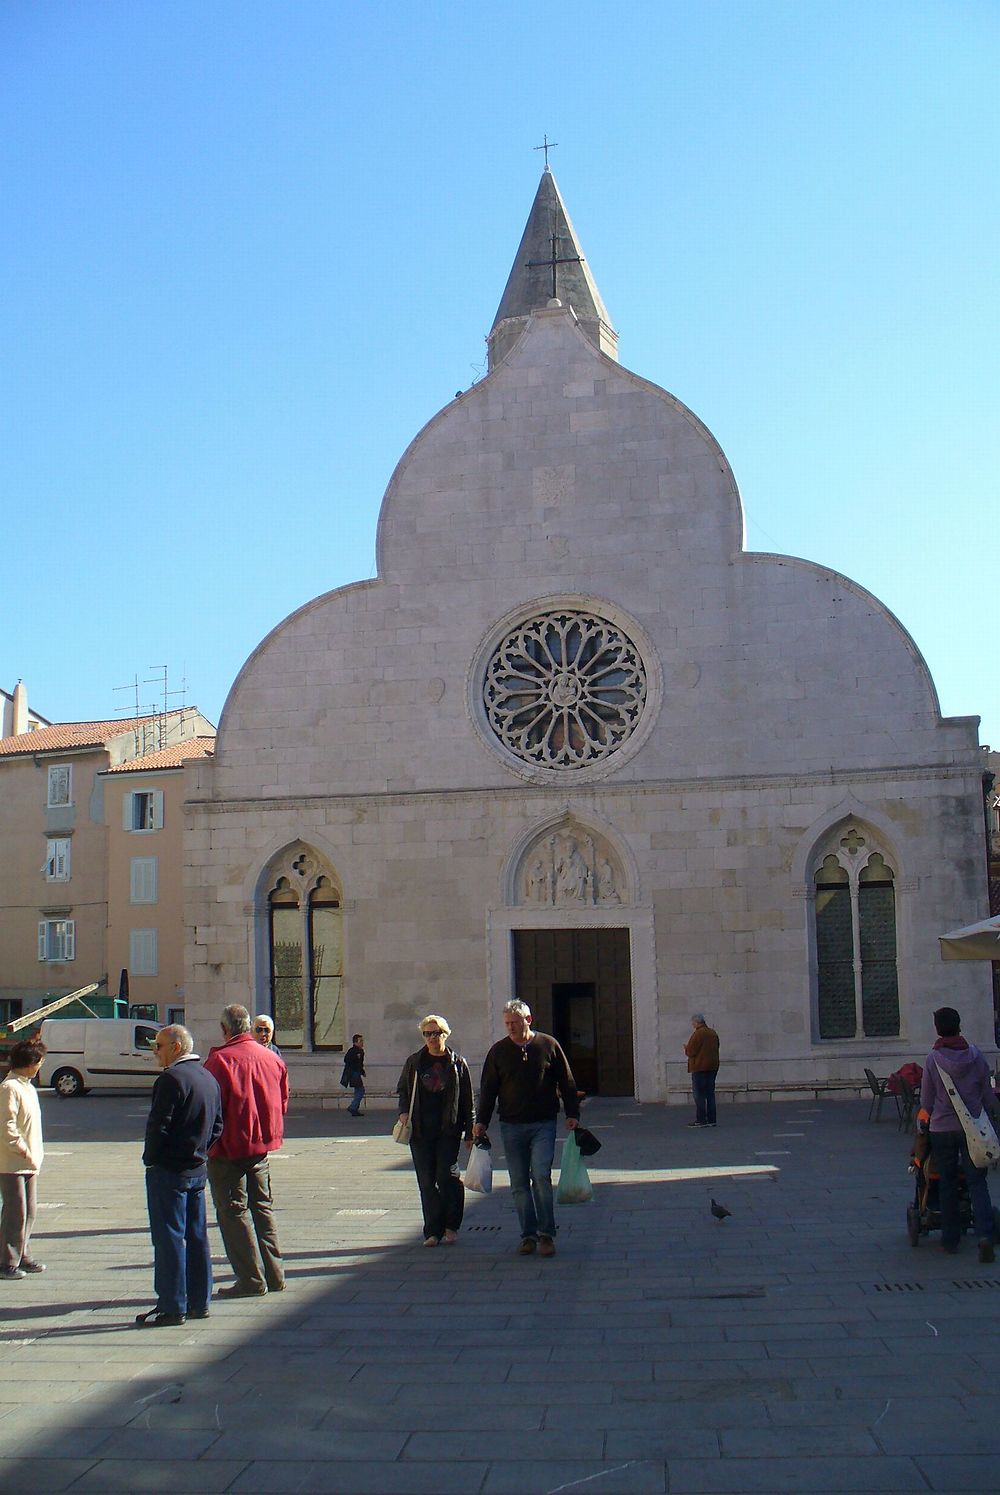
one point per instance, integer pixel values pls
(574, 743)
(144, 812)
(55, 897)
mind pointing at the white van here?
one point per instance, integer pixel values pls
(113, 1053)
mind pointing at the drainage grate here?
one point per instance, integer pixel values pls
(899, 1287)
(362, 1212)
(978, 1282)
(482, 1229)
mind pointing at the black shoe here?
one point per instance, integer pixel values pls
(154, 1319)
(12, 1274)
(241, 1292)
(197, 1313)
(33, 1267)
(697, 1123)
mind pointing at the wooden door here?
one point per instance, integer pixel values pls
(581, 958)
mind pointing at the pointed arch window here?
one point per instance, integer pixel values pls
(305, 942)
(855, 934)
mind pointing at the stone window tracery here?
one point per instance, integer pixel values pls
(305, 942)
(855, 928)
(564, 689)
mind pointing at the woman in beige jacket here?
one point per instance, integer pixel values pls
(20, 1159)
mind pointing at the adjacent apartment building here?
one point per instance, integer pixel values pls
(57, 907)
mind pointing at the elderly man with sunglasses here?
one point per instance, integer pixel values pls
(263, 1031)
(528, 1073)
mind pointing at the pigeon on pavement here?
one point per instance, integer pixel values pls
(719, 1211)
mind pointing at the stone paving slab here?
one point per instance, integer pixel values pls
(783, 1350)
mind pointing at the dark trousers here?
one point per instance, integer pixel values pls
(442, 1193)
(19, 1193)
(182, 1260)
(242, 1187)
(703, 1088)
(948, 1151)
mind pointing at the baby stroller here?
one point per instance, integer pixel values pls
(924, 1214)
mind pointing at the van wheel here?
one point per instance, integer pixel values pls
(67, 1083)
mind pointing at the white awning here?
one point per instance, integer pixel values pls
(974, 942)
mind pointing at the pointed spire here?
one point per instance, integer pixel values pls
(549, 265)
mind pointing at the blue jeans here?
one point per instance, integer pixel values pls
(703, 1089)
(948, 1151)
(359, 1095)
(182, 1261)
(530, 1147)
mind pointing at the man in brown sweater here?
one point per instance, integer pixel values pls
(702, 1050)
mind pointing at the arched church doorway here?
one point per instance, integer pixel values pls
(578, 984)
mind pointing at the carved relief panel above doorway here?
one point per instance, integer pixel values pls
(570, 866)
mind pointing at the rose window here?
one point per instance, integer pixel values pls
(564, 689)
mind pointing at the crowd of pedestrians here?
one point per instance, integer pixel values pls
(213, 1124)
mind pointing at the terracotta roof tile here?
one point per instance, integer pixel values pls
(68, 735)
(169, 757)
(72, 735)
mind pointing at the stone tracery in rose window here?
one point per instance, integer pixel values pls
(564, 689)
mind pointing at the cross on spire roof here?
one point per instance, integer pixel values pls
(546, 146)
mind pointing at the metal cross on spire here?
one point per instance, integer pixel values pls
(555, 259)
(546, 146)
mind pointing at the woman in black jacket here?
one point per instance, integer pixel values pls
(435, 1095)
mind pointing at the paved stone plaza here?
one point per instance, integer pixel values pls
(801, 1345)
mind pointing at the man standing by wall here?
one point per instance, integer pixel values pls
(528, 1072)
(185, 1118)
(702, 1050)
(263, 1031)
(254, 1085)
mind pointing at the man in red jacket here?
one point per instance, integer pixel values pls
(254, 1086)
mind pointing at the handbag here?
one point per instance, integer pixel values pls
(982, 1140)
(403, 1130)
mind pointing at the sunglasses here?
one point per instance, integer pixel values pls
(434, 1033)
(262, 1030)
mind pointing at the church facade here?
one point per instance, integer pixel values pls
(575, 744)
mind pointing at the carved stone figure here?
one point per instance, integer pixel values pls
(572, 875)
(607, 883)
(538, 887)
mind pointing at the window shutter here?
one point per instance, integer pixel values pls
(126, 812)
(70, 939)
(157, 805)
(143, 880)
(142, 944)
(42, 926)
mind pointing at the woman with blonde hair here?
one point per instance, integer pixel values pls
(435, 1095)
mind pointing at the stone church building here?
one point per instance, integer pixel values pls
(575, 744)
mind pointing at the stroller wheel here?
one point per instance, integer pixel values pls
(913, 1225)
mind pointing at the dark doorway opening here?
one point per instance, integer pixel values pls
(578, 984)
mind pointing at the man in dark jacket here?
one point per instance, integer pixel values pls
(960, 1062)
(254, 1085)
(528, 1073)
(353, 1077)
(185, 1118)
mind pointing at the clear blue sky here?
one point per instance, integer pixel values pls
(250, 248)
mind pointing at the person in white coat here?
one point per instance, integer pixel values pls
(21, 1156)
